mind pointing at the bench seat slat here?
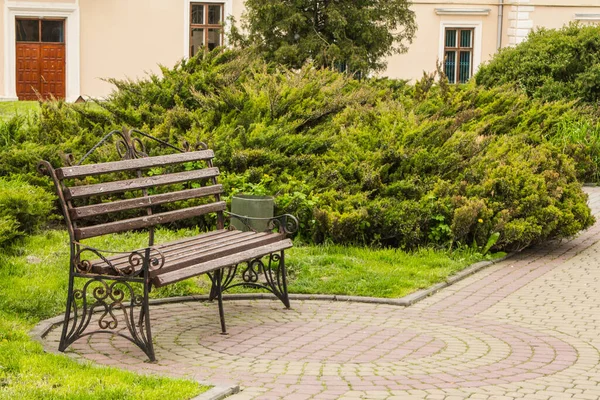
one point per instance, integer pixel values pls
(175, 254)
(77, 192)
(126, 165)
(147, 220)
(140, 202)
(212, 265)
(217, 251)
(203, 252)
(174, 250)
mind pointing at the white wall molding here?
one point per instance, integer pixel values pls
(520, 21)
(70, 12)
(587, 17)
(228, 11)
(463, 11)
(478, 37)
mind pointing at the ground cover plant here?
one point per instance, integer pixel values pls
(360, 162)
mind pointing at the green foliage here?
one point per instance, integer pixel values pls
(370, 162)
(552, 64)
(23, 208)
(351, 34)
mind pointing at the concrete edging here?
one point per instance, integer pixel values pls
(217, 392)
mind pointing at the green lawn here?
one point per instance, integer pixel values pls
(10, 108)
(379, 273)
(34, 288)
(33, 285)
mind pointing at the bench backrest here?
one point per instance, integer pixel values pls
(127, 185)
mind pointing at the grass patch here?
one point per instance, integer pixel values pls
(11, 108)
(356, 271)
(33, 286)
(33, 283)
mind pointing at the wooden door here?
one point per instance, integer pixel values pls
(52, 70)
(41, 59)
(28, 71)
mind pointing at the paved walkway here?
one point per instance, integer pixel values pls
(528, 327)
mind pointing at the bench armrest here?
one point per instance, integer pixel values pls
(285, 223)
(135, 260)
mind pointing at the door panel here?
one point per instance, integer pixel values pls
(52, 71)
(28, 70)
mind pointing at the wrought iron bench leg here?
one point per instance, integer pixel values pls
(219, 290)
(275, 277)
(282, 281)
(109, 298)
(64, 342)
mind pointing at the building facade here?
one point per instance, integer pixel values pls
(67, 48)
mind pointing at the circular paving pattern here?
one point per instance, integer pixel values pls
(386, 346)
(328, 342)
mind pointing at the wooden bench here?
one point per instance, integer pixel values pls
(161, 190)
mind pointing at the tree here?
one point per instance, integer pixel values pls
(344, 34)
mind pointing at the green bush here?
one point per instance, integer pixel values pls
(360, 162)
(552, 64)
(23, 209)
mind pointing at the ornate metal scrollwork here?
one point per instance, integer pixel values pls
(187, 146)
(136, 260)
(285, 223)
(133, 268)
(110, 301)
(252, 271)
(273, 273)
(131, 147)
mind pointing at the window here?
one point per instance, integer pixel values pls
(458, 54)
(40, 30)
(206, 26)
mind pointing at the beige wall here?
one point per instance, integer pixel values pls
(238, 9)
(551, 17)
(425, 49)
(1, 49)
(127, 38)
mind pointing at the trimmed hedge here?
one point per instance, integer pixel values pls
(362, 162)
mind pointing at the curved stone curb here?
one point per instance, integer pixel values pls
(422, 294)
(41, 330)
(217, 392)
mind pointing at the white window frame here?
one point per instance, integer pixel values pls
(477, 37)
(227, 12)
(68, 11)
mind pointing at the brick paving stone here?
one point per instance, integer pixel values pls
(527, 327)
